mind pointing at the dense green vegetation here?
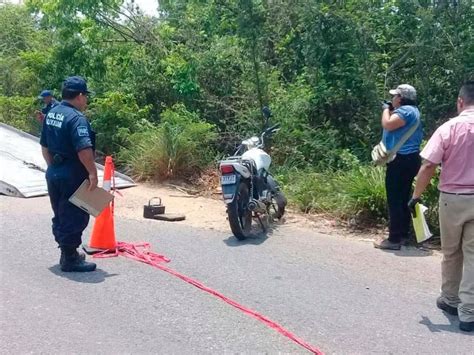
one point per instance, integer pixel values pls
(177, 91)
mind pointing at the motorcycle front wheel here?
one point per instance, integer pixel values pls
(240, 217)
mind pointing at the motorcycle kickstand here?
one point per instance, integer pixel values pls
(264, 229)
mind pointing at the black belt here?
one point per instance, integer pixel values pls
(59, 159)
(459, 193)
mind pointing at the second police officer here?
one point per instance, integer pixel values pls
(49, 102)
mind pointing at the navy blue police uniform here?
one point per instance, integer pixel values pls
(65, 132)
(45, 110)
(52, 103)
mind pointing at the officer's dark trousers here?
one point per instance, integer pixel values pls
(398, 184)
(69, 221)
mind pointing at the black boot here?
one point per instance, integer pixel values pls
(466, 326)
(81, 255)
(72, 261)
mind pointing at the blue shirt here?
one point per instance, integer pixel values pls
(410, 114)
(65, 132)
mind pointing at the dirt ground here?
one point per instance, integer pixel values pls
(209, 212)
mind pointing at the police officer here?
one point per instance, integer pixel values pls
(68, 146)
(49, 103)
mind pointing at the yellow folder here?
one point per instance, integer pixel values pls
(422, 231)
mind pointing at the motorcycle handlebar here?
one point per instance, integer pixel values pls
(272, 129)
(268, 131)
(239, 148)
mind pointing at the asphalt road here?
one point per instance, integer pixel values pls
(341, 295)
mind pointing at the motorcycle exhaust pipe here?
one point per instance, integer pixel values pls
(257, 206)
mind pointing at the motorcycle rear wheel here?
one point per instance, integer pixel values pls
(276, 209)
(240, 217)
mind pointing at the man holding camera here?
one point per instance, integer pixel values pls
(452, 147)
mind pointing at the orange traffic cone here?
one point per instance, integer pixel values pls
(103, 233)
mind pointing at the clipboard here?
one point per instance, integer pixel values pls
(92, 202)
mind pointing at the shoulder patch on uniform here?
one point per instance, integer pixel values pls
(82, 131)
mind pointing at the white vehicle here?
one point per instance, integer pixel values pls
(248, 189)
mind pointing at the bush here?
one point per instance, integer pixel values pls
(117, 116)
(179, 146)
(301, 143)
(18, 112)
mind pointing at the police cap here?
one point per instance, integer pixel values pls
(76, 84)
(45, 93)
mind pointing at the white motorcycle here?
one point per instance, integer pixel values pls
(249, 191)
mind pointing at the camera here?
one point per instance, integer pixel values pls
(387, 104)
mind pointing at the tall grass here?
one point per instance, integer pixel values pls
(356, 193)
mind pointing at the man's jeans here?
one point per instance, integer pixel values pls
(398, 183)
(456, 218)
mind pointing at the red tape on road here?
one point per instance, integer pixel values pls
(141, 252)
